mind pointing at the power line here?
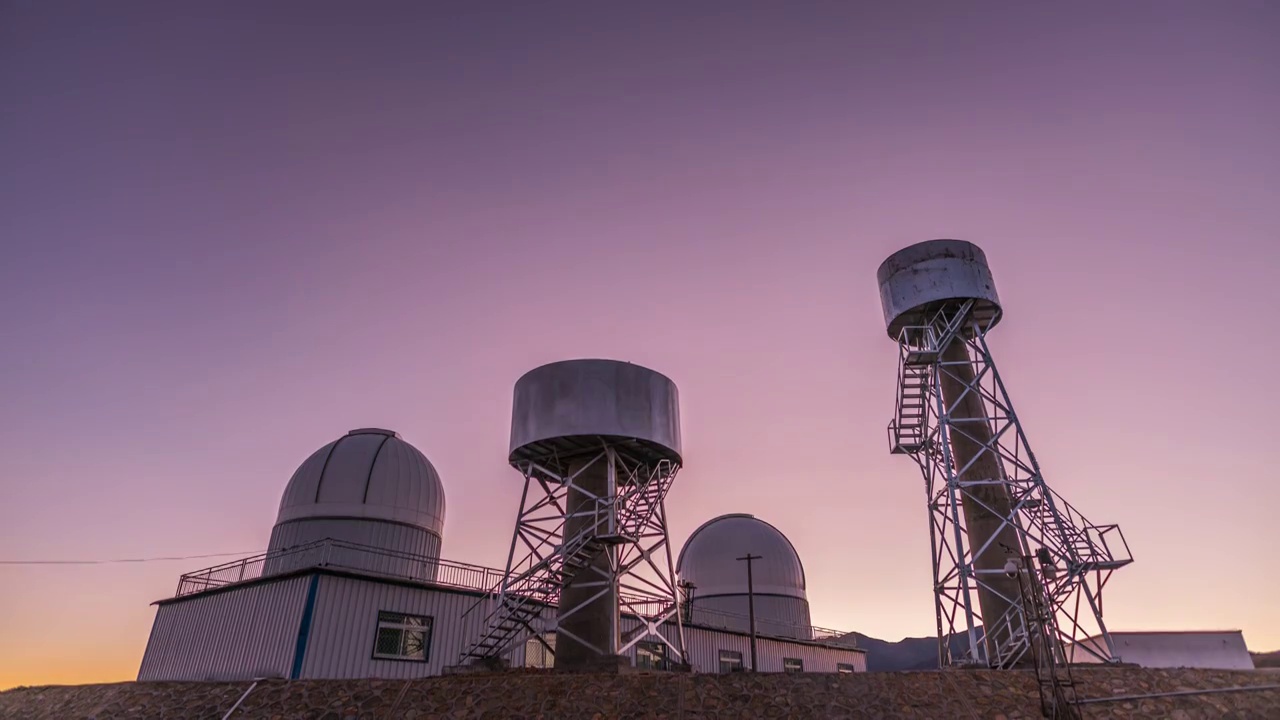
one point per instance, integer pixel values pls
(121, 560)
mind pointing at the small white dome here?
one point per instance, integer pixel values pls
(367, 474)
(709, 559)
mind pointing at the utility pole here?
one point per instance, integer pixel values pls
(686, 600)
(751, 605)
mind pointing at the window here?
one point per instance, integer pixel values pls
(844, 668)
(402, 637)
(792, 665)
(730, 661)
(651, 655)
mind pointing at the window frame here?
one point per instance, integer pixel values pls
(384, 621)
(799, 662)
(845, 669)
(740, 664)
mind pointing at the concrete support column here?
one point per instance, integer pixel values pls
(982, 523)
(597, 623)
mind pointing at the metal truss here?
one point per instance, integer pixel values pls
(628, 524)
(1073, 558)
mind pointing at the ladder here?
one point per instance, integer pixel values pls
(1065, 702)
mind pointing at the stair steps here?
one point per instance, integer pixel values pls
(908, 429)
(534, 590)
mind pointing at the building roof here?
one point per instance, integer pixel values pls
(1167, 632)
(709, 559)
(369, 473)
(368, 563)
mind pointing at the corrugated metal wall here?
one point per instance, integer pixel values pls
(242, 633)
(252, 631)
(346, 619)
(1222, 650)
(775, 615)
(383, 535)
(704, 646)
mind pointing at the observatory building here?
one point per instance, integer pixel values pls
(352, 584)
(368, 488)
(716, 580)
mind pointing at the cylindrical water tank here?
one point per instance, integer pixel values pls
(565, 414)
(567, 406)
(914, 279)
(914, 283)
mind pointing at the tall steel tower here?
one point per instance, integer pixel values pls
(598, 444)
(1017, 571)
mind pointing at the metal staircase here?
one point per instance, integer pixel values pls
(625, 526)
(920, 348)
(907, 431)
(1080, 544)
(525, 596)
(1029, 628)
(947, 344)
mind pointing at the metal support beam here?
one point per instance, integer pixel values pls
(987, 498)
(593, 555)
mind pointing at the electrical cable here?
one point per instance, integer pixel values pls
(122, 560)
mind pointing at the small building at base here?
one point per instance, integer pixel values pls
(330, 621)
(352, 586)
(1210, 649)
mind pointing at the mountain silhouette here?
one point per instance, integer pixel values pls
(905, 654)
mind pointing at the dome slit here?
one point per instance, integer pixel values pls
(327, 458)
(369, 478)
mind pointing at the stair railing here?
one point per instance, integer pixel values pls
(541, 582)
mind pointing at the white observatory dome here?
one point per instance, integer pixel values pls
(709, 558)
(368, 487)
(709, 561)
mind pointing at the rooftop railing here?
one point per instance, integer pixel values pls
(693, 614)
(740, 622)
(342, 555)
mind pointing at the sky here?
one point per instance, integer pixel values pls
(233, 231)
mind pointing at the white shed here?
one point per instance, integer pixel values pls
(1216, 649)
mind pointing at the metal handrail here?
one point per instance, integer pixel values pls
(343, 555)
(521, 580)
(1010, 637)
(724, 616)
(1078, 528)
(352, 556)
(539, 582)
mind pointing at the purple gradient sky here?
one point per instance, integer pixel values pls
(233, 232)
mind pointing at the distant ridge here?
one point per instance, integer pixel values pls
(905, 654)
(1266, 659)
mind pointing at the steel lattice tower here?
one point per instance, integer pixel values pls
(1018, 572)
(598, 445)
